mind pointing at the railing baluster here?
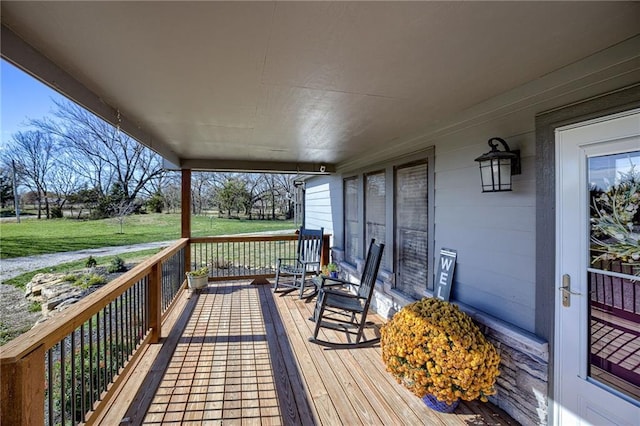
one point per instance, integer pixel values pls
(123, 347)
(92, 367)
(50, 385)
(141, 312)
(105, 348)
(83, 375)
(62, 379)
(98, 347)
(110, 342)
(131, 342)
(72, 386)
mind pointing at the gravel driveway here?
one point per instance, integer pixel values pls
(10, 268)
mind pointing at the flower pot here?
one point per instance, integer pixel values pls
(333, 274)
(440, 406)
(197, 282)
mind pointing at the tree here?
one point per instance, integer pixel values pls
(33, 153)
(155, 203)
(6, 187)
(120, 210)
(287, 193)
(86, 198)
(232, 196)
(63, 182)
(103, 155)
(256, 186)
(201, 182)
(171, 191)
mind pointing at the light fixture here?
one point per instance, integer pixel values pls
(497, 167)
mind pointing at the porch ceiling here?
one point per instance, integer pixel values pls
(292, 85)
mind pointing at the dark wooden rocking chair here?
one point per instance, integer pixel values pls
(342, 310)
(306, 262)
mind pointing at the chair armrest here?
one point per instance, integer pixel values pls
(338, 281)
(294, 259)
(341, 293)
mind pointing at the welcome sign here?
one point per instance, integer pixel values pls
(444, 277)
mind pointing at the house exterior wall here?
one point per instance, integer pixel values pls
(505, 241)
(323, 205)
(494, 236)
(493, 233)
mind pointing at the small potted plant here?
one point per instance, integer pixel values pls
(439, 354)
(198, 279)
(330, 270)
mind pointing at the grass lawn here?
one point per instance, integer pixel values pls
(33, 236)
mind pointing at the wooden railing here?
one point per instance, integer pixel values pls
(62, 371)
(66, 369)
(245, 256)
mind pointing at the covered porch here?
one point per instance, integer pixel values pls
(145, 349)
(343, 91)
(238, 354)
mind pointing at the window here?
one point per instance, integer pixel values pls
(411, 229)
(375, 210)
(351, 228)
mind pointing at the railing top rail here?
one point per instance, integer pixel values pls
(245, 238)
(248, 237)
(52, 331)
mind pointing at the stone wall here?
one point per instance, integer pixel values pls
(522, 384)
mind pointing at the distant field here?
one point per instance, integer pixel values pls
(33, 236)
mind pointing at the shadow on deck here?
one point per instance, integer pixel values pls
(237, 354)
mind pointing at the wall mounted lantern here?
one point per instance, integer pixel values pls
(497, 167)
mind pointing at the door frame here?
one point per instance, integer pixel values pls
(593, 138)
(546, 123)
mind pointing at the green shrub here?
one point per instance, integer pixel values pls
(155, 204)
(56, 212)
(70, 278)
(117, 265)
(91, 262)
(89, 280)
(35, 307)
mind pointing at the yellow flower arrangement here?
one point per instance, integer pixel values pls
(432, 347)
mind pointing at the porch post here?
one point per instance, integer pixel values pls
(186, 215)
(155, 302)
(324, 256)
(22, 383)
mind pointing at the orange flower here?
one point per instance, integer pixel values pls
(432, 347)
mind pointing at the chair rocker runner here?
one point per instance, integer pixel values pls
(306, 262)
(342, 310)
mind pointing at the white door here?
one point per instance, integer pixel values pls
(597, 335)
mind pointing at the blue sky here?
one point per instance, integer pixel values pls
(22, 97)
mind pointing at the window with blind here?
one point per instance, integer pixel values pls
(411, 228)
(351, 228)
(375, 209)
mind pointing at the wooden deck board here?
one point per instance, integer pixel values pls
(240, 355)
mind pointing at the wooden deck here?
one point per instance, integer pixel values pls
(239, 355)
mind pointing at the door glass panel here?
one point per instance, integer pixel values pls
(614, 271)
